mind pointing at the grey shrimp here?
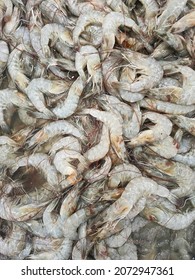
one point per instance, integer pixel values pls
(3, 55)
(88, 55)
(55, 128)
(114, 123)
(187, 158)
(161, 129)
(69, 106)
(14, 68)
(185, 123)
(67, 143)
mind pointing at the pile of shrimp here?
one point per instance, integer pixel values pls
(97, 127)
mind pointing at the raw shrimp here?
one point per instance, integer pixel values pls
(100, 150)
(81, 8)
(15, 70)
(14, 242)
(184, 23)
(168, 219)
(187, 158)
(55, 128)
(150, 69)
(166, 107)
(69, 106)
(151, 12)
(88, 55)
(136, 189)
(171, 12)
(162, 50)
(161, 129)
(12, 24)
(93, 17)
(110, 25)
(3, 55)
(118, 6)
(126, 252)
(40, 86)
(184, 122)
(54, 31)
(83, 246)
(122, 174)
(67, 143)
(114, 123)
(41, 162)
(45, 244)
(98, 174)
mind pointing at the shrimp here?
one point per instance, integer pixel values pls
(14, 68)
(81, 8)
(83, 246)
(171, 12)
(14, 242)
(69, 106)
(62, 163)
(54, 31)
(161, 129)
(101, 251)
(93, 17)
(52, 129)
(100, 150)
(168, 219)
(184, 122)
(150, 69)
(114, 123)
(162, 51)
(122, 174)
(12, 211)
(3, 55)
(166, 107)
(136, 189)
(110, 25)
(41, 162)
(68, 142)
(184, 23)
(118, 6)
(88, 55)
(126, 252)
(96, 175)
(12, 24)
(46, 244)
(37, 87)
(151, 11)
(187, 158)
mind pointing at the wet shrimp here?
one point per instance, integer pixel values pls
(68, 142)
(161, 129)
(186, 123)
(3, 55)
(184, 23)
(114, 123)
(187, 158)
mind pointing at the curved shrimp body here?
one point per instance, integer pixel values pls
(54, 31)
(80, 8)
(151, 11)
(14, 68)
(93, 17)
(89, 56)
(110, 26)
(118, 6)
(168, 219)
(35, 91)
(184, 23)
(100, 150)
(166, 107)
(46, 244)
(13, 23)
(68, 142)
(122, 174)
(114, 123)
(161, 129)
(188, 84)
(41, 162)
(52, 129)
(136, 189)
(3, 55)
(187, 158)
(14, 242)
(69, 106)
(150, 69)
(126, 252)
(172, 10)
(184, 122)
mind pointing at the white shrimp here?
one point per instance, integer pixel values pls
(83, 245)
(37, 87)
(114, 123)
(166, 107)
(118, 6)
(151, 11)
(168, 219)
(81, 8)
(126, 252)
(184, 122)
(161, 129)
(55, 128)
(41, 162)
(100, 150)
(15, 70)
(187, 158)
(93, 17)
(68, 142)
(110, 26)
(88, 55)
(54, 31)
(122, 174)
(69, 106)
(3, 55)
(14, 242)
